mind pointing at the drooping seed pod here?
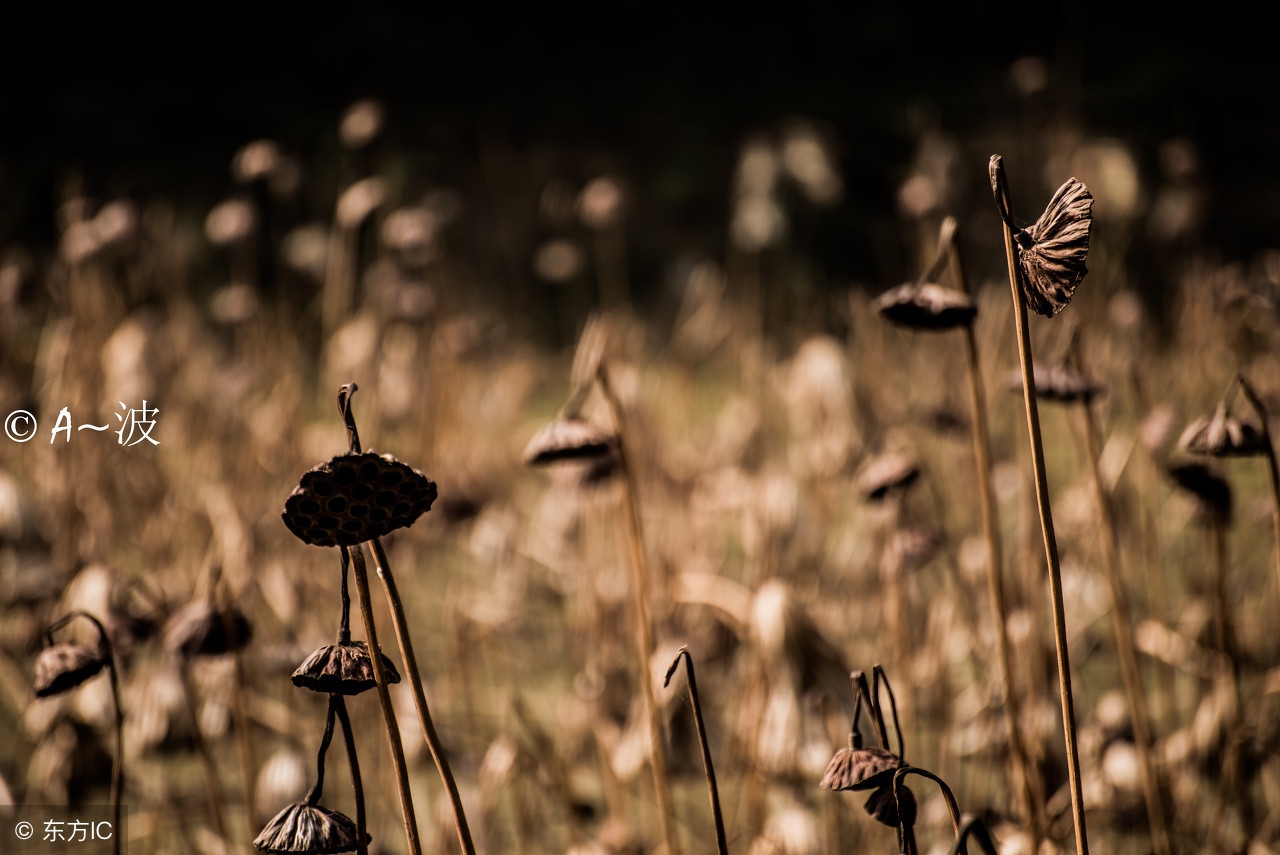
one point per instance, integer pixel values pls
(1053, 249)
(341, 669)
(203, 628)
(353, 498)
(926, 306)
(885, 474)
(1060, 383)
(568, 439)
(307, 829)
(885, 809)
(61, 667)
(856, 768)
(1210, 489)
(1223, 435)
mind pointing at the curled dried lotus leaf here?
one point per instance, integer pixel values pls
(884, 807)
(568, 439)
(356, 497)
(859, 769)
(1052, 250)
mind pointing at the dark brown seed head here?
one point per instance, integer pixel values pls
(1052, 250)
(568, 439)
(926, 306)
(884, 808)
(356, 497)
(62, 667)
(884, 474)
(860, 769)
(1060, 383)
(1211, 490)
(1223, 435)
(341, 669)
(309, 830)
(202, 628)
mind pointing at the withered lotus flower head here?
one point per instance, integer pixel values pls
(1053, 249)
(309, 830)
(1060, 383)
(884, 474)
(1223, 435)
(62, 667)
(885, 809)
(344, 668)
(860, 769)
(357, 497)
(1211, 490)
(926, 306)
(568, 439)
(202, 628)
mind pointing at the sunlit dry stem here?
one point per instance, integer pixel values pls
(1004, 203)
(384, 700)
(401, 625)
(1028, 787)
(644, 629)
(707, 766)
(209, 768)
(1122, 625)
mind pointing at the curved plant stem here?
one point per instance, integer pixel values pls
(117, 760)
(714, 794)
(1029, 789)
(400, 623)
(1005, 203)
(975, 828)
(1122, 625)
(644, 629)
(353, 763)
(384, 699)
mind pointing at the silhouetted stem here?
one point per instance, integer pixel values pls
(975, 828)
(1005, 204)
(384, 700)
(429, 734)
(1028, 784)
(644, 630)
(883, 679)
(1123, 627)
(353, 763)
(707, 766)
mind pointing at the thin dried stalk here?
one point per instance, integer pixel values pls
(436, 747)
(384, 700)
(1029, 788)
(644, 629)
(1027, 362)
(1122, 624)
(353, 764)
(714, 794)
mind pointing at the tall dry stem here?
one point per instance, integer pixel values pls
(644, 628)
(1028, 785)
(1122, 624)
(1005, 201)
